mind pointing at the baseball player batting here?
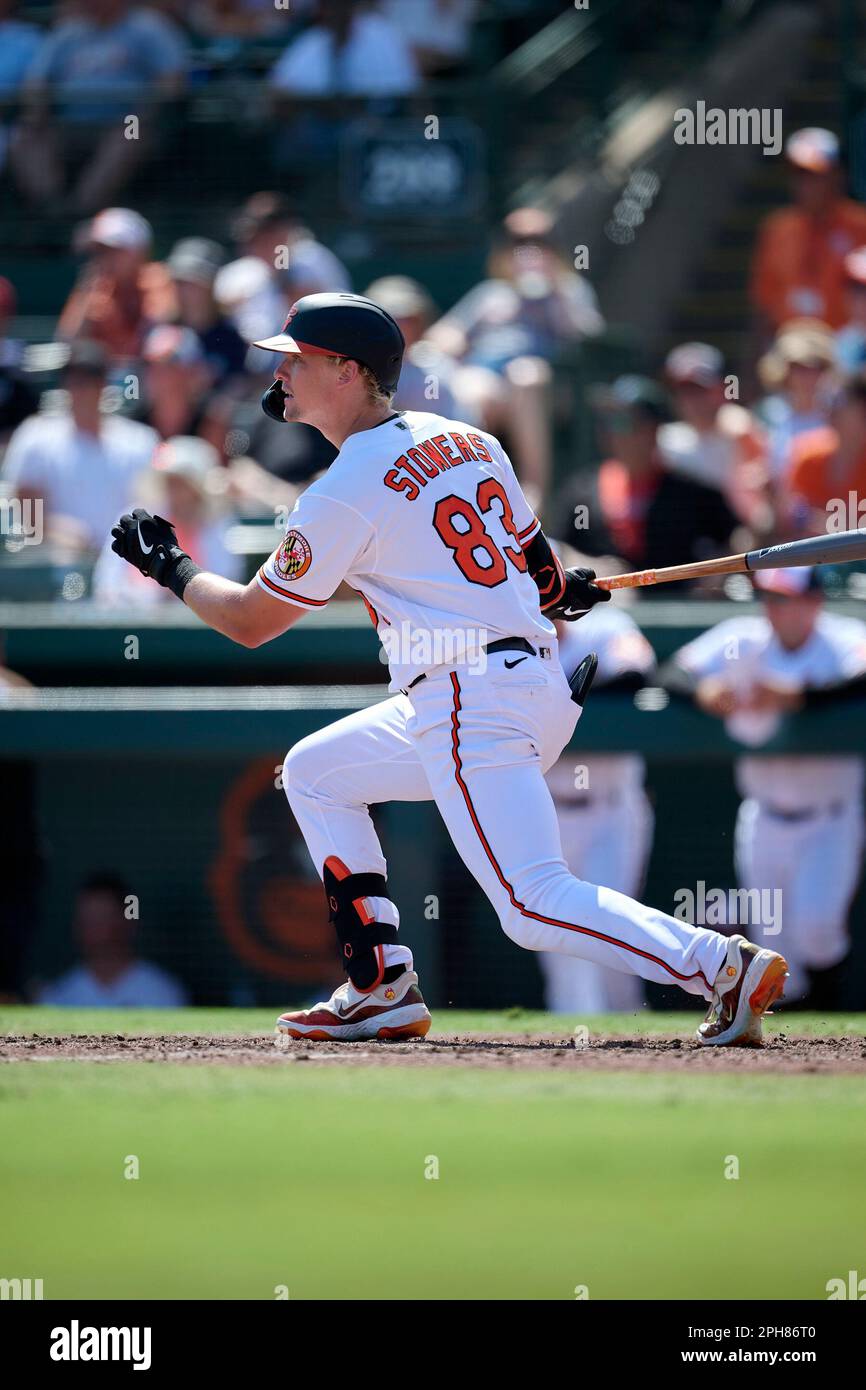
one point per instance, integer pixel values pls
(425, 518)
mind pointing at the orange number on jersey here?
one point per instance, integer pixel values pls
(487, 490)
(464, 542)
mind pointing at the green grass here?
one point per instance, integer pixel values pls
(313, 1176)
(27, 1019)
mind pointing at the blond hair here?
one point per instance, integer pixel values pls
(377, 394)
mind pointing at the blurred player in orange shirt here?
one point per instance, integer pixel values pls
(797, 269)
(830, 464)
(851, 340)
(120, 291)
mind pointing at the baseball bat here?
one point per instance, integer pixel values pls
(841, 548)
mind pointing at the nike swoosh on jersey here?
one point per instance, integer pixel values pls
(509, 664)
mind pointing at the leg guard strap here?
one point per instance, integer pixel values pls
(360, 936)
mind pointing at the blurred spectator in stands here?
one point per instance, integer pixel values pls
(351, 53)
(19, 43)
(179, 395)
(103, 62)
(272, 463)
(851, 340)
(351, 49)
(826, 477)
(110, 974)
(506, 332)
(17, 397)
(426, 380)
(119, 291)
(80, 466)
(439, 31)
(713, 440)
(11, 349)
(633, 506)
(193, 265)
(249, 294)
(312, 268)
(794, 373)
(280, 260)
(798, 264)
(260, 231)
(220, 20)
(188, 485)
(800, 826)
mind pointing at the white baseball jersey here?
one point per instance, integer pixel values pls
(746, 651)
(424, 517)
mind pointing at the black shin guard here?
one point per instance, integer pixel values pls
(361, 937)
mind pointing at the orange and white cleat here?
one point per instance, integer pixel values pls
(390, 1012)
(750, 982)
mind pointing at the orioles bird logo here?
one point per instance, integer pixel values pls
(294, 556)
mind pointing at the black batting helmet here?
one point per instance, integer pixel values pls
(343, 325)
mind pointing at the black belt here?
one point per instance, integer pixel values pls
(586, 803)
(809, 813)
(502, 644)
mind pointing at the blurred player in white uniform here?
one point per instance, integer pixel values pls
(800, 825)
(605, 816)
(425, 518)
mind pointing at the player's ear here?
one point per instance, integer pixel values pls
(347, 371)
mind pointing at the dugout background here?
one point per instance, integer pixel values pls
(229, 902)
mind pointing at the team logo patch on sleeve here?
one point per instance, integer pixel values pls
(294, 556)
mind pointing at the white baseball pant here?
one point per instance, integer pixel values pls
(478, 743)
(607, 843)
(815, 866)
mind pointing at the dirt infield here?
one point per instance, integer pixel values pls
(780, 1053)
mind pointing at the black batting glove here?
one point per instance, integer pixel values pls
(579, 594)
(150, 543)
(565, 594)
